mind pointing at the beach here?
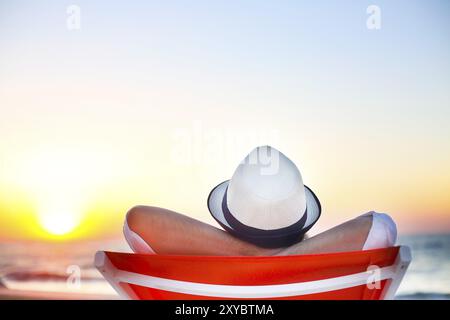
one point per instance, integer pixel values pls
(8, 294)
(66, 271)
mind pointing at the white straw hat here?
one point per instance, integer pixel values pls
(265, 202)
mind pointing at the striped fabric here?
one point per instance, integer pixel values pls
(348, 275)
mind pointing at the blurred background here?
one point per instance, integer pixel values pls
(107, 105)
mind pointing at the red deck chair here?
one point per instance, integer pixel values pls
(370, 275)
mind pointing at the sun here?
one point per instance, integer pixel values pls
(58, 223)
(61, 184)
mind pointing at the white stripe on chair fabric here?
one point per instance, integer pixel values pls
(257, 291)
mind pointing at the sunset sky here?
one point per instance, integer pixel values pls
(156, 102)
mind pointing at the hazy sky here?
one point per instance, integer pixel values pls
(156, 102)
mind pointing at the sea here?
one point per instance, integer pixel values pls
(68, 267)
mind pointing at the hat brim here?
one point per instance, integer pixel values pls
(215, 199)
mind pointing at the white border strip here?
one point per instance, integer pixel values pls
(262, 291)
